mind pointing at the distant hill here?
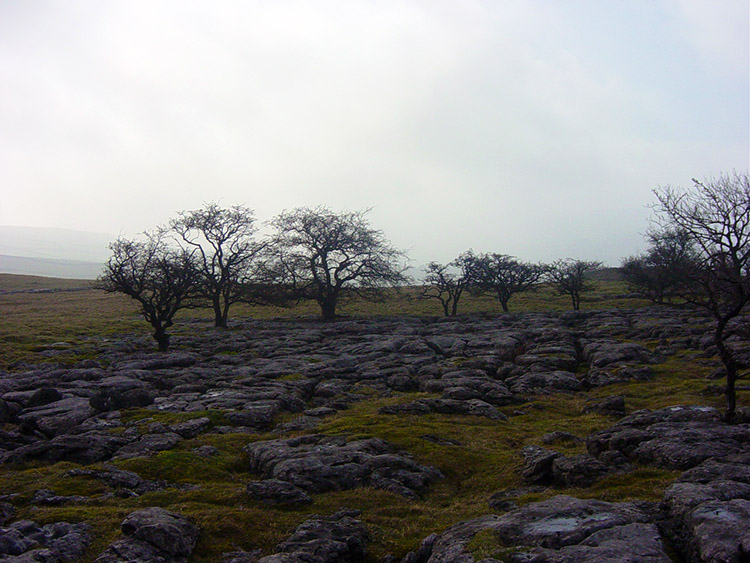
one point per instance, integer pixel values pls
(61, 253)
(48, 267)
(57, 244)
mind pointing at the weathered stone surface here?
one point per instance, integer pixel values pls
(675, 437)
(544, 382)
(58, 417)
(537, 465)
(89, 447)
(153, 535)
(117, 398)
(26, 541)
(561, 529)
(191, 428)
(614, 405)
(149, 444)
(577, 471)
(273, 491)
(471, 407)
(48, 497)
(630, 543)
(170, 532)
(320, 463)
(707, 510)
(340, 538)
(124, 483)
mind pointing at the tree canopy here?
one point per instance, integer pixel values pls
(715, 214)
(225, 252)
(321, 254)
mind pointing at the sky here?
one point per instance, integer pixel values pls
(535, 128)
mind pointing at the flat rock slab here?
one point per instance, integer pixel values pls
(339, 538)
(320, 463)
(153, 535)
(562, 529)
(708, 510)
(677, 437)
(26, 541)
(89, 447)
(471, 407)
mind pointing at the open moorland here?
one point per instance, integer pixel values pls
(390, 434)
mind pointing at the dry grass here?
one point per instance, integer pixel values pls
(486, 461)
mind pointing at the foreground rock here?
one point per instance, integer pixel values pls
(709, 511)
(340, 538)
(152, 535)
(678, 437)
(562, 529)
(318, 463)
(26, 541)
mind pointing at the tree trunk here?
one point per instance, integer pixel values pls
(162, 339)
(220, 317)
(454, 308)
(446, 308)
(328, 309)
(730, 366)
(576, 301)
(503, 298)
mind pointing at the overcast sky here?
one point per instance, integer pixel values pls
(535, 128)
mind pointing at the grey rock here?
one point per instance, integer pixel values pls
(319, 463)
(614, 405)
(43, 396)
(47, 497)
(58, 417)
(675, 437)
(273, 491)
(537, 465)
(89, 447)
(578, 471)
(148, 445)
(169, 532)
(340, 538)
(191, 428)
(544, 382)
(471, 407)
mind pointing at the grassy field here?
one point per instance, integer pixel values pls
(37, 312)
(487, 460)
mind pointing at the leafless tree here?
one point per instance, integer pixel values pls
(663, 272)
(322, 255)
(570, 277)
(447, 282)
(225, 251)
(716, 214)
(505, 276)
(162, 279)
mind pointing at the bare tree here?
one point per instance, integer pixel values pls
(162, 279)
(225, 250)
(447, 282)
(716, 215)
(321, 254)
(663, 272)
(569, 277)
(505, 276)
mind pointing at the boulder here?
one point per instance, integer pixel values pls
(537, 465)
(273, 491)
(318, 463)
(560, 529)
(577, 471)
(339, 538)
(153, 535)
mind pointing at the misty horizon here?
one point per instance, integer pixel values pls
(534, 129)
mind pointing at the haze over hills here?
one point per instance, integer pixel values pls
(63, 253)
